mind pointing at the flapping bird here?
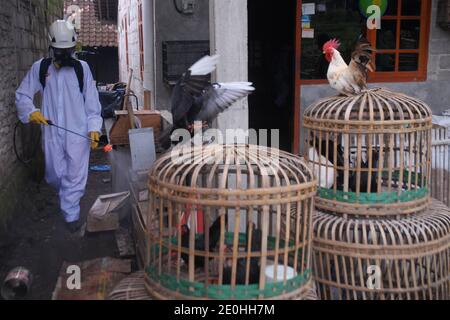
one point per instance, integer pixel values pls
(349, 79)
(196, 99)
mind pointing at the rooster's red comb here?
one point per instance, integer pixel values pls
(333, 43)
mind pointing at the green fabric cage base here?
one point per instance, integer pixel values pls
(225, 292)
(373, 198)
(199, 290)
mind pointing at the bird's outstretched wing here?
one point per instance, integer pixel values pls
(192, 84)
(220, 96)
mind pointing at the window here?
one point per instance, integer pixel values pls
(141, 40)
(401, 43)
(106, 10)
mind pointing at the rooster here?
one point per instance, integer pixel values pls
(349, 79)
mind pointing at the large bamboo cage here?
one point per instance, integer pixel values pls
(378, 258)
(215, 216)
(370, 152)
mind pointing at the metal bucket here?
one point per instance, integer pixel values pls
(17, 284)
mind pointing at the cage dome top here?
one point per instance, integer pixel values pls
(372, 106)
(231, 169)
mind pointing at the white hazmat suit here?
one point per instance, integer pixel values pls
(66, 154)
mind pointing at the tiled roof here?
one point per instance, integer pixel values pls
(93, 31)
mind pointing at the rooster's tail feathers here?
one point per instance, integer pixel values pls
(363, 54)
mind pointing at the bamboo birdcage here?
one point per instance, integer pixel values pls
(371, 153)
(412, 255)
(440, 164)
(247, 191)
(130, 288)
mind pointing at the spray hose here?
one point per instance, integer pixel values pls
(106, 147)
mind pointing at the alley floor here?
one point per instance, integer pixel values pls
(38, 240)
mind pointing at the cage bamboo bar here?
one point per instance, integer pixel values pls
(370, 152)
(411, 256)
(440, 164)
(214, 228)
(131, 288)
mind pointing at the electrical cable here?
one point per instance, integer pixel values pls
(34, 151)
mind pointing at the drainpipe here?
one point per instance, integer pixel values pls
(148, 24)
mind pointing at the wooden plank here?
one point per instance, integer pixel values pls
(147, 100)
(148, 119)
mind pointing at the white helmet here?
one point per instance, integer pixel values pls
(62, 35)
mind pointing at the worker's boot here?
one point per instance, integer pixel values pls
(74, 227)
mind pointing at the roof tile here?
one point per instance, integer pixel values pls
(94, 32)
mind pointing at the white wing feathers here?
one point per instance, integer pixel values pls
(205, 65)
(322, 168)
(221, 96)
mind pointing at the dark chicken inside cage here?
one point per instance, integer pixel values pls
(220, 229)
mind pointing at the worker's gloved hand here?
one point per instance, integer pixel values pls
(95, 137)
(38, 118)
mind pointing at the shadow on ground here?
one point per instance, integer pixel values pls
(37, 238)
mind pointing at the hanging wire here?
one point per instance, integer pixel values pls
(33, 147)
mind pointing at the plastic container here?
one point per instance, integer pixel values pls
(290, 273)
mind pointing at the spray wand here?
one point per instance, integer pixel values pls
(106, 147)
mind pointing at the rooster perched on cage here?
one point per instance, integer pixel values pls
(349, 79)
(196, 99)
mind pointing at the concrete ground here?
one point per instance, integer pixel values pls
(37, 238)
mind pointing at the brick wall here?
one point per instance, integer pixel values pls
(23, 39)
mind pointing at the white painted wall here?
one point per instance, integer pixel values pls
(229, 38)
(129, 9)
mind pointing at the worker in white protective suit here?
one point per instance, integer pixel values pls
(70, 101)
